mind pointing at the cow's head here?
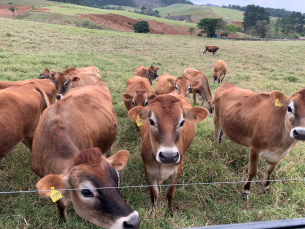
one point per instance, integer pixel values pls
(153, 73)
(183, 85)
(65, 82)
(167, 118)
(217, 75)
(91, 170)
(295, 112)
(47, 74)
(138, 98)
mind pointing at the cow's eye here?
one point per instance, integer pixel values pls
(176, 87)
(133, 103)
(146, 103)
(87, 193)
(152, 72)
(66, 84)
(152, 123)
(182, 123)
(188, 88)
(289, 109)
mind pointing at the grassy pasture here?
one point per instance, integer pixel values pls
(26, 48)
(196, 12)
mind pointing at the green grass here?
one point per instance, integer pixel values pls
(72, 10)
(235, 15)
(26, 48)
(196, 12)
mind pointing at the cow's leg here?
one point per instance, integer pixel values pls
(253, 164)
(170, 190)
(154, 192)
(269, 169)
(194, 98)
(62, 210)
(28, 143)
(217, 129)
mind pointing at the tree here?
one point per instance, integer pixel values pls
(253, 14)
(209, 25)
(141, 27)
(13, 10)
(191, 30)
(231, 28)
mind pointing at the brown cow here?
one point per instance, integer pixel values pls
(47, 74)
(204, 91)
(167, 83)
(269, 124)
(149, 73)
(63, 155)
(220, 71)
(167, 133)
(20, 110)
(47, 86)
(211, 48)
(66, 81)
(138, 92)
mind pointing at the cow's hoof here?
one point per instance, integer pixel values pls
(245, 196)
(169, 214)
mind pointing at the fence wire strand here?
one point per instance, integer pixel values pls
(147, 186)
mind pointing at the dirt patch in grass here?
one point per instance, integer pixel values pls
(43, 9)
(122, 23)
(5, 12)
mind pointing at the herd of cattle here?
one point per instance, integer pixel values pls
(70, 156)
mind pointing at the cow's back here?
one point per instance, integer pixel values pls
(247, 117)
(137, 82)
(163, 86)
(141, 71)
(84, 118)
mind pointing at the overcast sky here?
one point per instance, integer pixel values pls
(292, 5)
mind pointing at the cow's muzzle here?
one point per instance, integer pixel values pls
(168, 155)
(58, 96)
(298, 133)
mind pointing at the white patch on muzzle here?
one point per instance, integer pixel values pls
(297, 129)
(120, 222)
(168, 150)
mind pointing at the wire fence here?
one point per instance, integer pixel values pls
(161, 185)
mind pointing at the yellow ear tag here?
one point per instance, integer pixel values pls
(169, 83)
(139, 121)
(278, 102)
(55, 195)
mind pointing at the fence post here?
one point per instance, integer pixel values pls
(233, 42)
(262, 52)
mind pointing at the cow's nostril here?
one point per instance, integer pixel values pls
(295, 134)
(58, 97)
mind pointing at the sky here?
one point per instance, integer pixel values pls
(291, 5)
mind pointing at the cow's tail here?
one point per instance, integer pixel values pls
(43, 93)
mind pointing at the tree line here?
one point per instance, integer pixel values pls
(272, 11)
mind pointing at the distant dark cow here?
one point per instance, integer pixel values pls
(63, 157)
(269, 124)
(20, 110)
(220, 71)
(203, 91)
(149, 73)
(66, 81)
(211, 48)
(47, 86)
(167, 133)
(167, 83)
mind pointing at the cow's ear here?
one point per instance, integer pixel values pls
(127, 96)
(75, 79)
(157, 69)
(151, 97)
(196, 84)
(119, 160)
(196, 114)
(54, 75)
(52, 180)
(278, 98)
(170, 82)
(47, 70)
(142, 112)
